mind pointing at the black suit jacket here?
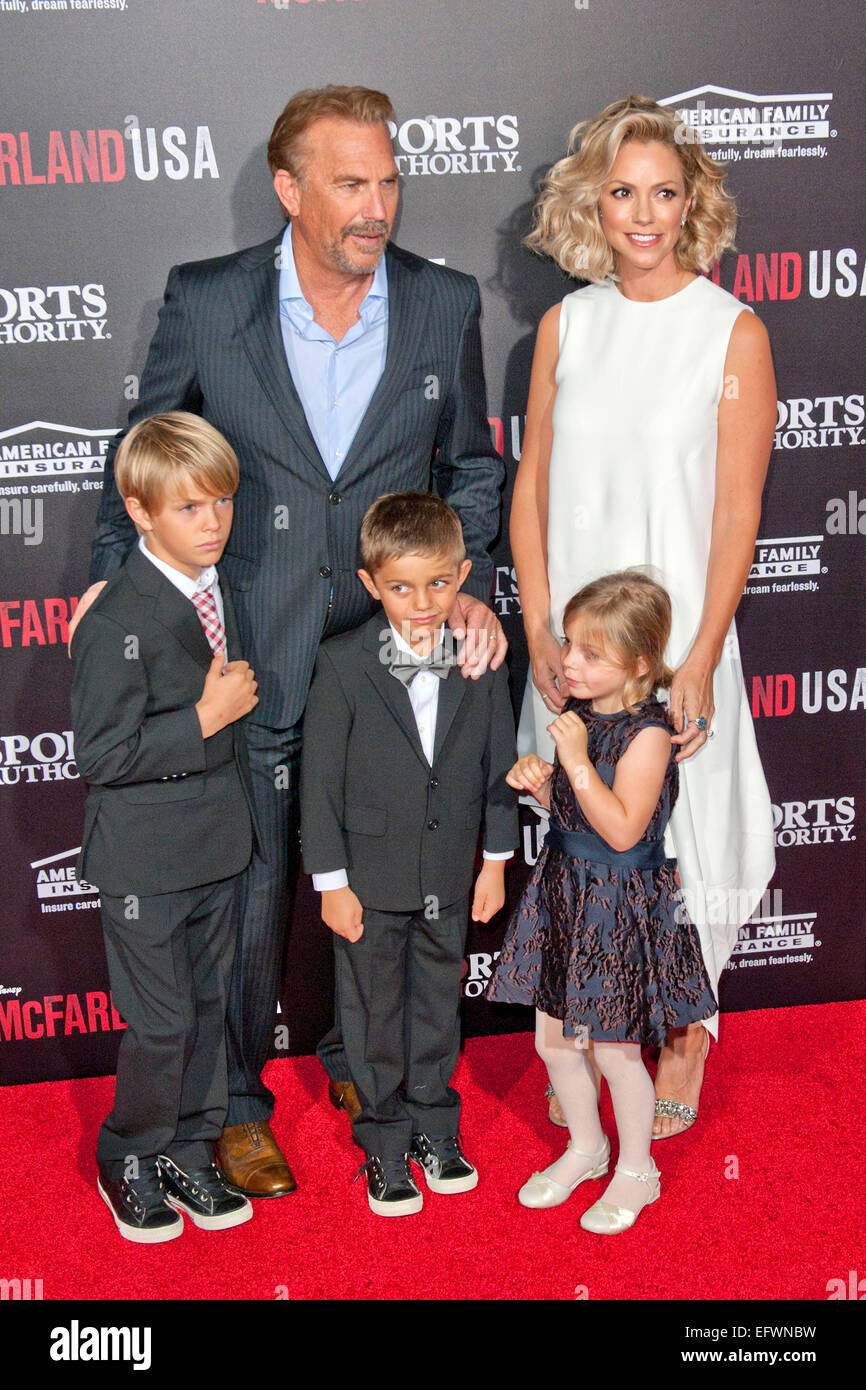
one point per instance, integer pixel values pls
(293, 552)
(167, 808)
(406, 831)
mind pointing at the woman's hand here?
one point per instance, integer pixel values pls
(545, 655)
(691, 700)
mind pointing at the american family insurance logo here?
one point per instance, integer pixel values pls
(145, 152)
(787, 564)
(44, 457)
(57, 887)
(456, 145)
(786, 939)
(745, 125)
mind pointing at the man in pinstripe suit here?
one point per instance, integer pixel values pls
(339, 367)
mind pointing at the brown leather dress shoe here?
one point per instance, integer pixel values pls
(343, 1096)
(251, 1161)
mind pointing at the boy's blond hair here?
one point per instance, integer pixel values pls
(161, 453)
(409, 523)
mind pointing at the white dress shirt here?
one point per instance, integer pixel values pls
(423, 692)
(208, 579)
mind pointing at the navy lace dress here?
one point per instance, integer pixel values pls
(602, 940)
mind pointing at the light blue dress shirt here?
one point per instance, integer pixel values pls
(334, 381)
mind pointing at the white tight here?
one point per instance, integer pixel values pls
(570, 1069)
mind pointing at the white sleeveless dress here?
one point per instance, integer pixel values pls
(632, 482)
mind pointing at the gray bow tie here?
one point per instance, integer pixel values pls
(438, 663)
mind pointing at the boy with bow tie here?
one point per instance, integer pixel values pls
(403, 761)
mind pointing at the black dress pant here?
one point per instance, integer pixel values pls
(169, 963)
(398, 996)
(266, 895)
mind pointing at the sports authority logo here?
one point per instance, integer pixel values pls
(819, 422)
(44, 457)
(57, 887)
(47, 757)
(791, 124)
(786, 565)
(825, 820)
(786, 939)
(106, 155)
(477, 969)
(456, 145)
(53, 314)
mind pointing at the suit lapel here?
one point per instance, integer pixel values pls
(451, 692)
(233, 638)
(395, 694)
(253, 292)
(408, 308)
(170, 609)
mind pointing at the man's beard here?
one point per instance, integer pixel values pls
(336, 250)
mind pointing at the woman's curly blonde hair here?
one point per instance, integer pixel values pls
(567, 225)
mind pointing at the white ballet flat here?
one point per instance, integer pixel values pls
(608, 1219)
(543, 1191)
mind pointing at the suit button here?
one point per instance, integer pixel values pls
(432, 825)
(434, 783)
(325, 571)
(335, 499)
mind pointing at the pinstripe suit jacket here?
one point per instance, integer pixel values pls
(293, 552)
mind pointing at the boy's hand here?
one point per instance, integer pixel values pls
(229, 693)
(343, 913)
(489, 890)
(568, 732)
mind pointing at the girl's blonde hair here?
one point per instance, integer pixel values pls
(628, 615)
(567, 224)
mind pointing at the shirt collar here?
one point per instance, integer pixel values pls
(404, 647)
(188, 587)
(291, 296)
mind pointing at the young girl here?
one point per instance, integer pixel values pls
(601, 942)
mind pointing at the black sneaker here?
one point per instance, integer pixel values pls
(205, 1195)
(391, 1189)
(138, 1205)
(445, 1168)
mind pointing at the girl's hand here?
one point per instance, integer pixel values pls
(569, 734)
(545, 655)
(692, 699)
(532, 774)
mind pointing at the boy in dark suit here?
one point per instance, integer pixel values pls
(157, 692)
(402, 762)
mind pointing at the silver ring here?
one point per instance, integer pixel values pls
(700, 723)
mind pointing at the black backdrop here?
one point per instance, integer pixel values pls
(132, 136)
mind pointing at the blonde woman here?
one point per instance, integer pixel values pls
(650, 418)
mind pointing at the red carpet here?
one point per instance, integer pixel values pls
(782, 1105)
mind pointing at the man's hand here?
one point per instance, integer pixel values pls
(489, 890)
(485, 642)
(229, 693)
(343, 913)
(532, 774)
(83, 604)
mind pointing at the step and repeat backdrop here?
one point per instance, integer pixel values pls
(132, 137)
